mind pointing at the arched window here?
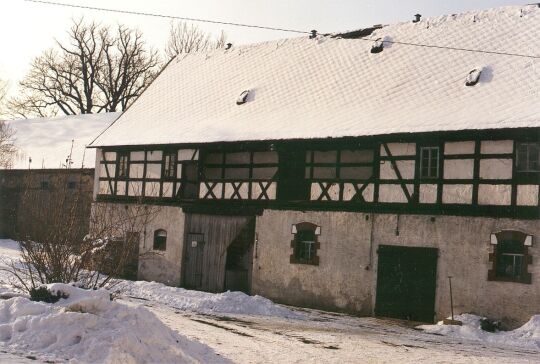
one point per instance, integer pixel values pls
(160, 240)
(510, 256)
(305, 243)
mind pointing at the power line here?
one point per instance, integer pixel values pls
(168, 16)
(279, 29)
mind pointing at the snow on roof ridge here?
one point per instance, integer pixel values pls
(334, 87)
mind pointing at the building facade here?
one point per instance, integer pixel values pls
(343, 178)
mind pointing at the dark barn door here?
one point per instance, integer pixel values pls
(217, 252)
(406, 281)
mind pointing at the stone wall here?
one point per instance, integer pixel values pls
(345, 278)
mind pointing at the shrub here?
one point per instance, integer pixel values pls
(42, 294)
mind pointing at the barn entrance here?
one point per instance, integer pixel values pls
(406, 282)
(218, 252)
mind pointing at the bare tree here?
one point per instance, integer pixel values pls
(7, 145)
(188, 38)
(96, 70)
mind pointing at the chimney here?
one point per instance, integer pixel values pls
(417, 18)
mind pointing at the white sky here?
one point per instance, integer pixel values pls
(27, 29)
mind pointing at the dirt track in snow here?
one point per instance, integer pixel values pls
(330, 338)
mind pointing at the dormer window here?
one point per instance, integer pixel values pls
(242, 98)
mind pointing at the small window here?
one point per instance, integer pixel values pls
(160, 240)
(72, 185)
(429, 162)
(305, 244)
(44, 185)
(122, 168)
(510, 257)
(528, 157)
(170, 165)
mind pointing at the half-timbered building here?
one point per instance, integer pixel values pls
(353, 172)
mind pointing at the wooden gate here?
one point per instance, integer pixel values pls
(207, 240)
(406, 283)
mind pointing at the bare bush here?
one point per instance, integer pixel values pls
(55, 247)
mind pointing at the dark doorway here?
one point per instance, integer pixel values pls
(240, 260)
(406, 283)
(292, 185)
(217, 252)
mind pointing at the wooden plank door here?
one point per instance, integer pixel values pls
(406, 283)
(194, 261)
(204, 264)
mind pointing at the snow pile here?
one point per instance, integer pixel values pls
(204, 302)
(88, 327)
(527, 336)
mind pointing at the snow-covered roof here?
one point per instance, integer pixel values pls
(48, 140)
(333, 87)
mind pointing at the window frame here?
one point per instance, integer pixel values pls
(527, 163)
(161, 244)
(430, 149)
(298, 240)
(170, 164)
(119, 162)
(503, 247)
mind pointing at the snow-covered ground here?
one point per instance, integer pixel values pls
(153, 323)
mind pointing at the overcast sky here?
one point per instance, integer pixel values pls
(26, 29)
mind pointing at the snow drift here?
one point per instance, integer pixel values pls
(527, 336)
(88, 327)
(204, 302)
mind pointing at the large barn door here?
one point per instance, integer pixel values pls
(207, 242)
(406, 282)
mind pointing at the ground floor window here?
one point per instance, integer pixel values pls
(510, 257)
(160, 240)
(305, 243)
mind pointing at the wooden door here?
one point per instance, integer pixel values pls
(204, 264)
(194, 261)
(406, 283)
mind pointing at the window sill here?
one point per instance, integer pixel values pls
(294, 260)
(524, 280)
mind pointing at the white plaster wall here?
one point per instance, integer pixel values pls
(461, 194)
(333, 191)
(342, 280)
(153, 170)
(136, 156)
(121, 187)
(135, 188)
(453, 148)
(428, 193)
(109, 156)
(406, 168)
(494, 194)
(458, 168)
(527, 195)
(496, 169)
(136, 170)
(400, 149)
(151, 189)
(155, 155)
(497, 146)
(394, 193)
(163, 266)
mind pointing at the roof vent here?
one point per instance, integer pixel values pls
(228, 46)
(242, 98)
(378, 46)
(473, 77)
(417, 18)
(313, 34)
